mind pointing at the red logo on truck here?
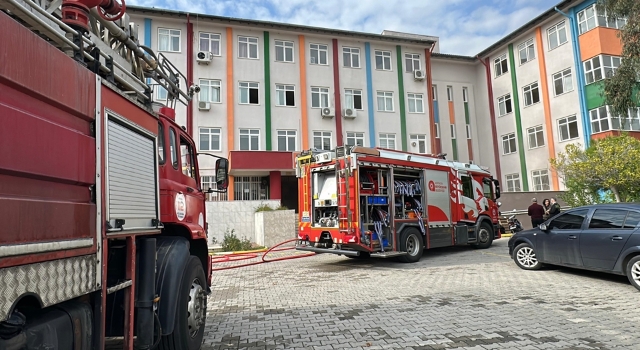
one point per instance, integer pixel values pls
(432, 186)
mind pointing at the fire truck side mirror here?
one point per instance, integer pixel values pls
(222, 173)
(496, 183)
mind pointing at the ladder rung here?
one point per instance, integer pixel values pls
(119, 286)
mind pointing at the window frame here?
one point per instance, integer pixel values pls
(537, 131)
(287, 137)
(351, 51)
(384, 55)
(504, 67)
(413, 57)
(453, 131)
(158, 91)
(535, 86)
(562, 76)
(465, 94)
(565, 121)
(170, 35)
(323, 135)
(249, 43)
(434, 92)
(508, 138)
(319, 48)
(210, 40)
(387, 96)
(562, 25)
(449, 93)
(510, 179)
(353, 93)
(249, 87)
(414, 97)
(602, 69)
(540, 174)
(597, 20)
(210, 134)
(250, 135)
(320, 93)
(437, 130)
(530, 50)
(356, 136)
(209, 84)
(387, 137)
(468, 129)
(419, 138)
(505, 98)
(284, 88)
(285, 47)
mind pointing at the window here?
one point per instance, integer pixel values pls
(248, 47)
(284, 51)
(449, 93)
(210, 42)
(608, 219)
(526, 51)
(452, 129)
(540, 180)
(513, 182)
(249, 188)
(353, 99)
(322, 140)
(467, 186)
(468, 128)
(161, 93)
(465, 94)
(562, 82)
(209, 90)
(509, 143)
(187, 155)
(161, 148)
(536, 136)
(531, 94)
(355, 139)
(568, 128)
(210, 182)
(569, 221)
(210, 139)
(434, 92)
(383, 60)
(287, 140)
(249, 139)
(500, 65)
(385, 101)
(504, 105)
(412, 62)
(319, 54)
(437, 130)
(602, 120)
(589, 18)
(351, 57)
(285, 95)
(633, 218)
(600, 67)
(388, 141)
(557, 35)
(249, 93)
(168, 40)
(421, 142)
(416, 103)
(319, 97)
(174, 148)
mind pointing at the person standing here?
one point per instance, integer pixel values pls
(546, 205)
(536, 212)
(555, 208)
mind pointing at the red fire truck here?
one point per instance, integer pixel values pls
(371, 202)
(104, 235)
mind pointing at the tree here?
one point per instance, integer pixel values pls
(608, 168)
(622, 90)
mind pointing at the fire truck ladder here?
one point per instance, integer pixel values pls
(344, 207)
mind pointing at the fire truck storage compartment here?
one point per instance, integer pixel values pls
(375, 206)
(325, 201)
(438, 212)
(132, 186)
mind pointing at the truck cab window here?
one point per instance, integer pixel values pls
(487, 189)
(186, 154)
(174, 150)
(160, 144)
(467, 186)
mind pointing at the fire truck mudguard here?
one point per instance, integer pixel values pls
(173, 256)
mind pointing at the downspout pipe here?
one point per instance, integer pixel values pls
(586, 126)
(190, 57)
(492, 113)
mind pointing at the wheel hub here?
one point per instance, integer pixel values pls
(412, 245)
(483, 235)
(196, 308)
(635, 272)
(527, 257)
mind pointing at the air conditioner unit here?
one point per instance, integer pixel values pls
(418, 75)
(204, 106)
(204, 57)
(328, 113)
(349, 113)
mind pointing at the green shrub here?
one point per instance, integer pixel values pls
(282, 207)
(232, 243)
(263, 207)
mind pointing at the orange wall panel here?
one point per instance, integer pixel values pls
(598, 41)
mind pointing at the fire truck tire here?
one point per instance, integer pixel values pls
(411, 243)
(485, 236)
(192, 310)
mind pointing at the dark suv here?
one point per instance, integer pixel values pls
(601, 237)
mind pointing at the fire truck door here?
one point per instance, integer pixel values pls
(438, 208)
(194, 197)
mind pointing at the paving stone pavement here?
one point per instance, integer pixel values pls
(454, 298)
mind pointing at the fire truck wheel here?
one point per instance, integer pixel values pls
(485, 236)
(192, 310)
(411, 243)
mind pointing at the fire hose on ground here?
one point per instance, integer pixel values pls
(247, 255)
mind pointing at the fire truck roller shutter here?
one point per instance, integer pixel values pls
(131, 176)
(173, 255)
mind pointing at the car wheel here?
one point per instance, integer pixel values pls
(633, 271)
(525, 257)
(411, 243)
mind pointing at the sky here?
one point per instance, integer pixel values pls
(465, 27)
